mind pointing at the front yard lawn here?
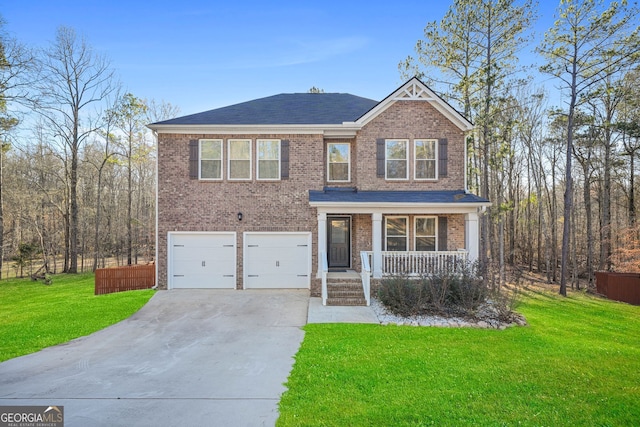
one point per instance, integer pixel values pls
(34, 316)
(578, 363)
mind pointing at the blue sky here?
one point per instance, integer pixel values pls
(201, 55)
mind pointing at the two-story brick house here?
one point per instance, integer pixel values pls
(272, 192)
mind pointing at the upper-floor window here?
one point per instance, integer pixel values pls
(339, 162)
(425, 233)
(396, 159)
(239, 159)
(210, 165)
(396, 233)
(425, 152)
(268, 159)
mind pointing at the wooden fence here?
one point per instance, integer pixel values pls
(128, 278)
(623, 287)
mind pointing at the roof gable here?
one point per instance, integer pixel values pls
(415, 90)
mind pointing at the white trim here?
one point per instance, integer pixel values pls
(229, 159)
(348, 162)
(406, 237)
(386, 159)
(258, 141)
(435, 159)
(389, 208)
(415, 231)
(200, 159)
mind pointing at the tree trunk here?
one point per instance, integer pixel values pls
(73, 221)
(129, 202)
(632, 202)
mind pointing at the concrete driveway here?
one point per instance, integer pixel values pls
(189, 357)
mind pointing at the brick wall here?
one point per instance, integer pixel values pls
(191, 205)
(409, 120)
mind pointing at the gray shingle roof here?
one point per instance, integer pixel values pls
(355, 196)
(284, 109)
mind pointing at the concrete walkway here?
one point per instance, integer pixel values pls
(188, 357)
(319, 313)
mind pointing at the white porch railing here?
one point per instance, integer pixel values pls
(324, 272)
(420, 263)
(366, 276)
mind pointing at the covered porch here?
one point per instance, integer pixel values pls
(382, 233)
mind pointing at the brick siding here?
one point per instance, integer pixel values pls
(186, 204)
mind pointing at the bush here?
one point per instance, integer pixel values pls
(403, 296)
(450, 292)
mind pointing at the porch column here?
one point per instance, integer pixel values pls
(376, 245)
(472, 235)
(322, 239)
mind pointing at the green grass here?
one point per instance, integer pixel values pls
(34, 316)
(578, 363)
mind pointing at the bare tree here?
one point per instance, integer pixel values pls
(74, 77)
(16, 62)
(588, 42)
(130, 116)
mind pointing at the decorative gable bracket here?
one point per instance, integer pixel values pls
(413, 92)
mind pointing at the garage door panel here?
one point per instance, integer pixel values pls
(205, 260)
(277, 260)
(277, 281)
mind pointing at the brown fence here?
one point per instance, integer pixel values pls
(623, 287)
(128, 278)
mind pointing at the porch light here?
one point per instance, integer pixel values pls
(239, 216)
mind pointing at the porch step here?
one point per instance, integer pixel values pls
(346, 293)
(346, 302)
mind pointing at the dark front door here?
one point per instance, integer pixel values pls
(339, 241)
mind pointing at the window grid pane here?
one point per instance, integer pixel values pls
(239, 159)
(396, 159)
(211, 159)
(269, 159)
(339, 161)
(425, 158)
(425, 229)
(396, 234)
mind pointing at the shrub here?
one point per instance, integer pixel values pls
(449, 292)
(403, 296)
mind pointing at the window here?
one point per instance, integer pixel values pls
(425, 158)
(338, 161)
(239, 159)
(396, 233)
(210, 159)
(425, 239)
(396, 159)
(268, 159)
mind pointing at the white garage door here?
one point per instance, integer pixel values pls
(277, 260)
(202, 260)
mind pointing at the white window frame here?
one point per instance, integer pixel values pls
(229, 159)
(200, 159)
(386, 159)
(258, 159)
(386, 235)
(329, 162)
(415, 159)
(415, 231)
